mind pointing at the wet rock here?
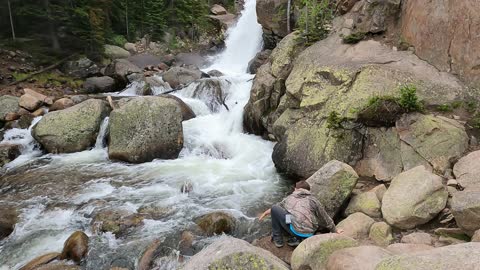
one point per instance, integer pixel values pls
(75, 247)
(25, 121)
(215, 73)
(39, 112)
(186, 187)
(178, 76)
(58, 266)
(120, 69)
(29, 102)
(413, 198)
(217, 223)
(114, 52)
(211, 92)
(40, 260)
(357, 258)
(231, 253)
(381, 234)
(8, 152)
(116, 221)
(61, 104)
(258, 61)
(81, 68)
(366, 203)
(440, 35)
(145, 128)
(73, 129)
(102, 84)
(185, 245)
(462, 256)
(144, 263)
(12, 116)
(313, 252)
(466, 209)
(154, 212)
(8, 219)
(402, 248)
(418, 238)
(356, 225)
(187, 112)
(218, 10)
(333, 184)
(466, 171)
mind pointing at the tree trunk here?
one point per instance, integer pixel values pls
(11, 19)
(126, 17)
(51, 27)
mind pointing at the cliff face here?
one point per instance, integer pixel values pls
(300, 93)
(445, 34)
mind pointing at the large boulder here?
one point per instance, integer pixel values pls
(465, 208)
(212, 92)
(381, 234)
(114, 52)
(145, 128)
(120, 69)
(461, 256)
(356, 225)
(75, 247)
(357, 258)
(258, 61)
(367, 203)
(73, 129)
(177, 76)
(441, 35)
(313, 252)
(8, 104)
(467, 171)
(80, 68)
(332, 185)
(102, 84)
(216, 223)
(414, 198)
(231, 253)
(332, 82)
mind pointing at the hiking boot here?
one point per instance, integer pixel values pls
(277, 241)
(293, 241)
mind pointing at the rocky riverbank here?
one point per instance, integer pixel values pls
(381, 118)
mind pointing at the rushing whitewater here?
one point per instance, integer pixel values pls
(228, 169)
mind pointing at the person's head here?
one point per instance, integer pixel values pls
(302, 184)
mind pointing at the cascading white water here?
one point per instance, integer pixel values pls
(228, 170)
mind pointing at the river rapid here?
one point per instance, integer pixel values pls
(228, 169)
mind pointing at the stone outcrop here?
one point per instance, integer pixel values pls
(231, 253)
(313, 252)
(73, 129)
(272, 15)
(146, 128)
(414, 198)
(331, 80)
(461, 256)
(178, 76)
(332, 185)
(443, 34)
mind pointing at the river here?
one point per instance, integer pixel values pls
(228, 170)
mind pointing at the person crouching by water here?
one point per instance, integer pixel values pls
(300, 215)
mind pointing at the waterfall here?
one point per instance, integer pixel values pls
(243, 41)
(102, 133)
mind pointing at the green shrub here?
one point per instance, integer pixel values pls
(408, 99)
(117, 40)
(471, 106)
(476, 121)
(445, 108)
(354, 38)
(334, 120)
(314, 19)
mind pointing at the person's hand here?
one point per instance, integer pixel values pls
(340, 231)
(264, 214)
